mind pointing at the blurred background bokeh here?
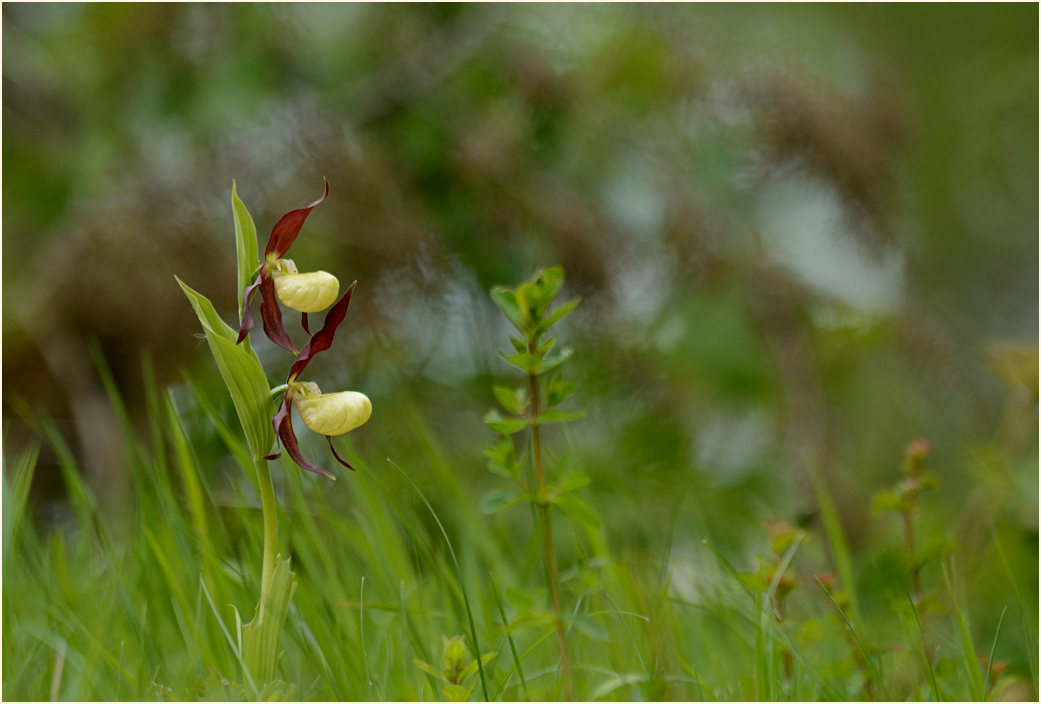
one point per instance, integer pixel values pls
(803, 235)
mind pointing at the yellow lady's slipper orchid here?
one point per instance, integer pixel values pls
(330, 414)
(309, 292)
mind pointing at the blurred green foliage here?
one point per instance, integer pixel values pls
(803, 235)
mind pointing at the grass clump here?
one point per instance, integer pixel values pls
(411, 581)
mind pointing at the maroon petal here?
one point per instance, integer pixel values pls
(284, 233)
(277, 420)
(283, 422)
(247, 317)
(337, 456)
(322, 339)
(303, 322)
(272, 315)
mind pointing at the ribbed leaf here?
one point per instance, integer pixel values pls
(261, 637)
(242, 374)
(245, 244)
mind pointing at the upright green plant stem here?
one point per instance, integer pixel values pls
(267, 506)
(547, 532)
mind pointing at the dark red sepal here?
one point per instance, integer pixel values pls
(284, 233)
(247, 317)
(283, 423)
(322, 339)
(337, 456)
(303, 322)
(271, 314)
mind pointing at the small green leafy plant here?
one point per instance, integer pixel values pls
(331, 414)
(459, 670)
(530, 407)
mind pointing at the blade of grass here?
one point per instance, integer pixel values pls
(16, 497)
(524, 655)
(856, 639)
(1029, 633)
(924, 650)
(969, 661)
(509, 636)
(836, 538)
(628, 631)
(459, 576)
(990, 657)
(361, 629)
(236, 647)
(229, 436)
(198, 506)
(81, 498)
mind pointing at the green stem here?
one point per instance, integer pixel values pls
(552, 577)
(267, 505)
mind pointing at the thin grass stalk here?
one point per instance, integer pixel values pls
(926, 651)
(973, 675)
(1029, 634)
(990, 658)
(459, 577)
(509, 637)
(859, 643)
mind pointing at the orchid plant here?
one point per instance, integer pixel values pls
(267, 430)
(310, 292)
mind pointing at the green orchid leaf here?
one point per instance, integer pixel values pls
(261, 637)
(240, 368)
(245, 245)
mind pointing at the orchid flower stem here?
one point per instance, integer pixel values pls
(267, 505)
(552, 578)
(279, 390)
